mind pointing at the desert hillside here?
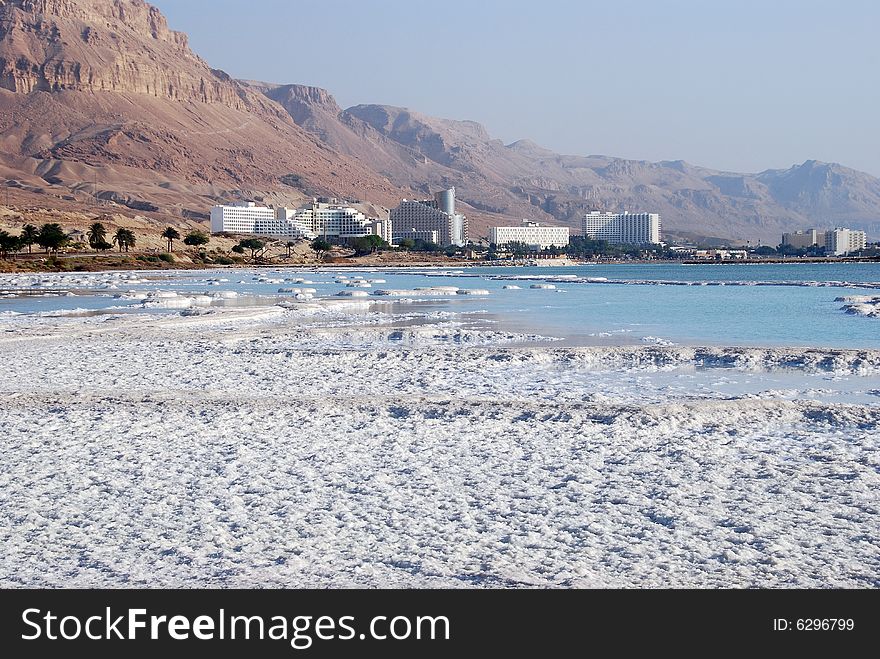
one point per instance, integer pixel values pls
(102, 100)
(102, 104)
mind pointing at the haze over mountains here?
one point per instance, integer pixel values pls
(102, 94)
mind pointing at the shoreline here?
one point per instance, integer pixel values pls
(123, 263)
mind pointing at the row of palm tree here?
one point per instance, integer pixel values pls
(97, 236)
(50, 236)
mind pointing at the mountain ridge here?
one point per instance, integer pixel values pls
(526, 179)
(114, 103)
(101, 98)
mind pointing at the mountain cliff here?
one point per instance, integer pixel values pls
(102, 45)
(101, 94)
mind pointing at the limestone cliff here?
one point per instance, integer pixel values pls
(107, 97)
(103, 45)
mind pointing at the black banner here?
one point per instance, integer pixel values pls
(273, 623)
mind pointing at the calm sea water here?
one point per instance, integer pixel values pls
(647, 309)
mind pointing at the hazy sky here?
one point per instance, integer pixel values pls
(742, 85)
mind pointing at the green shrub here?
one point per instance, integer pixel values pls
(224, 260)
(168, 258)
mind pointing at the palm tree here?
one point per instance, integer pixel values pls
(170, 234)
(124, 238)
(29, 234)
(130, 239)
(97, 235)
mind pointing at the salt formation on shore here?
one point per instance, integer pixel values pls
(317, 443)
(861, 305)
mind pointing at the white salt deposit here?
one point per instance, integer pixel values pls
(861, 305)
(323, 443)
(418, 292)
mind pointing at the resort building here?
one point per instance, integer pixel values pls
(804, 239)
(326, 219)
(532, 234)
(622, 228)
(330, 220)
(244, 217)
(437, 214)
(840, 241)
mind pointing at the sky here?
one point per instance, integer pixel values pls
(737, 85)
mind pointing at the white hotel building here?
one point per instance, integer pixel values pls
(839, 242)
(622, 228)
(331, 220)
(245, 217)
(328, 220)
(532, 234)
(437, 214)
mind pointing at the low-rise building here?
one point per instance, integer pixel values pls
(721, 254)
(428, 236)
(532, 234)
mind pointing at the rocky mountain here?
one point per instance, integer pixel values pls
(524, 179)
(100, 98)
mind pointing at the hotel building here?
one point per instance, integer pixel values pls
(245, 217)
(622, 228)
(534, 235)
(804, 239)
(437, 214)
(326, 219)
(840, 241)
(330, 220)
(417, 234)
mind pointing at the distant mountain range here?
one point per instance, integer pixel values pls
(102, 95)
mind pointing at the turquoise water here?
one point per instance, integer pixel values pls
(644, 307)
(753, 315)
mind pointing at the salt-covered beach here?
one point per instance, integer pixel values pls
(335, 443)
(253, 429)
